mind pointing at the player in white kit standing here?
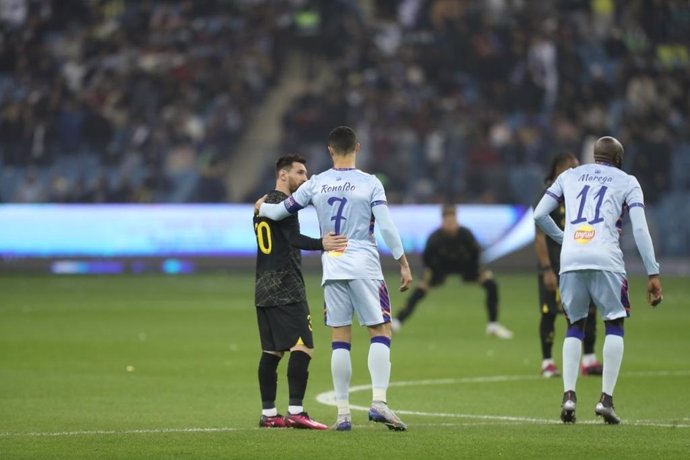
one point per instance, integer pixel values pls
(349, 202)
(596, 196)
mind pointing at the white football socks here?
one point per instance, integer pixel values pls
(341, 370)
(613, 356)
(295, 410)
(572, 351)
(380, 369)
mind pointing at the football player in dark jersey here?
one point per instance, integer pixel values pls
(549, 259)
(280, 299)
(453, 249)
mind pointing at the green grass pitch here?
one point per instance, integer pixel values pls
(165, 367)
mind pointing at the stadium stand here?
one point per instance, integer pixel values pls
(464, 100)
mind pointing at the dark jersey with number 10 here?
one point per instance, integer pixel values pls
(279, 278)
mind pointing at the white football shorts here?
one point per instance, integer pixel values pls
(369, 298)
(608, 291)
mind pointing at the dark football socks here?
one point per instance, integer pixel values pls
(298, 374)
(268, 379)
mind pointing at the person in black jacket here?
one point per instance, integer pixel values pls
(453, 249)
(280, 298)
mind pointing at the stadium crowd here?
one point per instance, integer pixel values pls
(134, 101)
(464, 100)
(468, 101)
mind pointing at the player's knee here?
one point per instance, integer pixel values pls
(614, 327)
(576, 329)
(279, 354)
(304, 349)
(485, 275)
(380, 330)
(298, 365)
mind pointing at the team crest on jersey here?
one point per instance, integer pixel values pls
(584, 234)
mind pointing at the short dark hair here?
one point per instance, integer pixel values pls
(557, 161)
(342, 139)
(285, 162)
(609, 150)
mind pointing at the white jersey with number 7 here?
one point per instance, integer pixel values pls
(344, 199)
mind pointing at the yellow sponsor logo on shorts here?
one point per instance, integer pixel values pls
(335, 253)
(584, 234)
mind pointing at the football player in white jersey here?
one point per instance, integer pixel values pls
(349, 202)
(592, 269)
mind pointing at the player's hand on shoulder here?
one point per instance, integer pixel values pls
(654, 291)
(334, 242)
(258, 204)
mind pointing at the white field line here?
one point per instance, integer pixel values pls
(328, 398)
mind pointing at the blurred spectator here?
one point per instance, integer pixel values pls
(31, 190)
(109, 79)
(455, 100)
(211, 188)
(483, 85)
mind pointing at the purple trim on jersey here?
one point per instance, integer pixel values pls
(641, 205)
(612, 329)
(292, 205)
(381, 339)
(385, 302)
(343, 169)
(553, 195)
(378, 202)
(575, 332)
(372, 223)
(341, 345)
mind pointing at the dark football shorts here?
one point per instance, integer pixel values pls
(284, 326)
(438, 277)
